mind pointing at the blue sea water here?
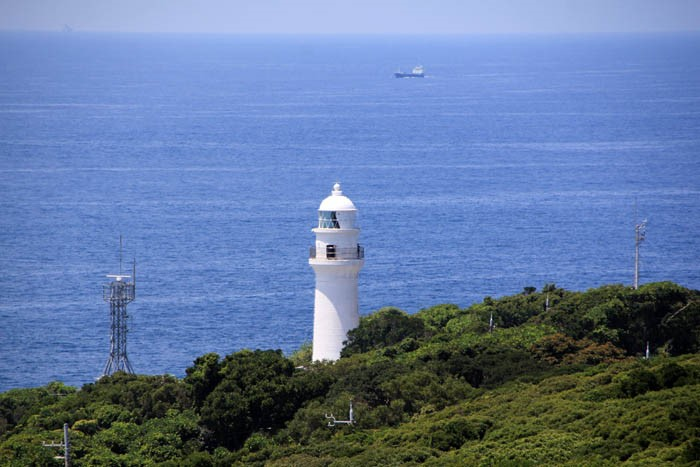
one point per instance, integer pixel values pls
(517, 161)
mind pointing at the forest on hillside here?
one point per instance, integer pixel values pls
(548, 377)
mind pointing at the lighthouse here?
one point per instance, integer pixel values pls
(336, 258)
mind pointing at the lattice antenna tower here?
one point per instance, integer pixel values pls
(118, 293)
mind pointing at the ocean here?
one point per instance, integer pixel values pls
(517, 161)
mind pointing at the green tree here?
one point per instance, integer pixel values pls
(435, 318)
(302, 356)
(257, 391)
(384, 328)
(203, 377)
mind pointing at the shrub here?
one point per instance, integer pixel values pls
(638, 381)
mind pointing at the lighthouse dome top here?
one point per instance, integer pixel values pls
(337, 201)
(337, 212)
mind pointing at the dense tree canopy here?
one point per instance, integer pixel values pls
(386, 327)
(559, 380)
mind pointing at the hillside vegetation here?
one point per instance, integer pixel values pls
(559, 379)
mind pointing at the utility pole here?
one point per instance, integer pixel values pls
(65, 445)
(640, 231)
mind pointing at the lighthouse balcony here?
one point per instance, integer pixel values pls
(335, 253)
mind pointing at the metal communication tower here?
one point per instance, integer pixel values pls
(118, 293)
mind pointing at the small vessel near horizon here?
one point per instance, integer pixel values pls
(417, 72)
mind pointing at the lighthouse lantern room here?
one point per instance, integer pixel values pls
(336, 259)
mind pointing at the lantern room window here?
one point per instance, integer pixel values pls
(328, 220)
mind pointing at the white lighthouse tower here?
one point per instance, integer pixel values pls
(337, 259)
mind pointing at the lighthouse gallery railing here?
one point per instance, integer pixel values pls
(338, 253)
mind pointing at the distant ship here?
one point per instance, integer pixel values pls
(416, 73)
